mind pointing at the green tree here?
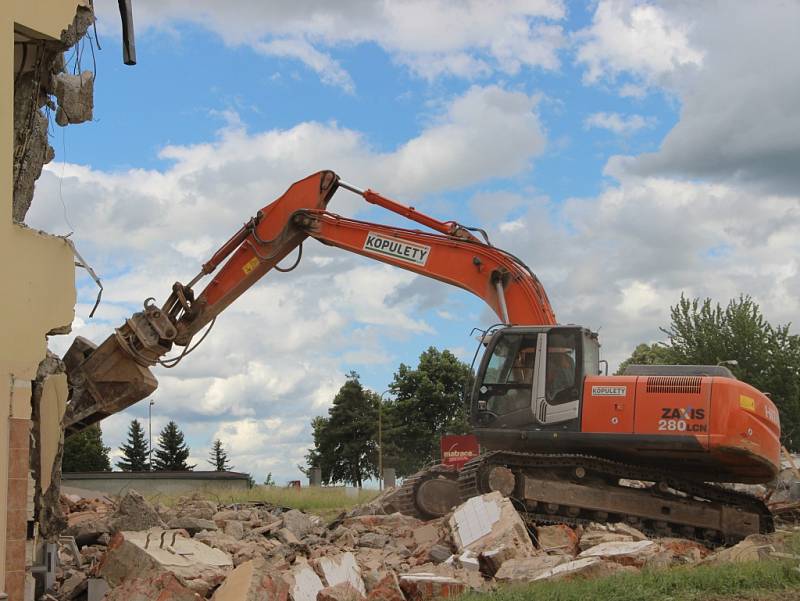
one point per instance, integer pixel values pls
(649, 354)
(767, 357)
(135, 453)
(268, 481)
(345, 447)
(218, 457)
(85, 452)
(172, 452)
(428, 402)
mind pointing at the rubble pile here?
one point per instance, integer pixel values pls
(201, 550)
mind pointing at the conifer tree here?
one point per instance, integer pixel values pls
(172, 452)
(135, 453)
(85, 452)
(218, 457)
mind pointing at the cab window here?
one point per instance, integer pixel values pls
(508, 380)
(562, 367)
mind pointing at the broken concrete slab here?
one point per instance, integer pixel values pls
(557, 538)
(341, 568)
(488, 523)
(684, 551)
(163, 587)
(627, 553)
(424, 586)
(595, 534)
(135, 513)
(195, 507)
(75, 95)
(439, 553)
(287, 537)
(373, 540)
(472, 579)
(73, 586)
(428, 534)
(304, 583)
(491, 528)
(97, 589)
(474, 519)
(191, 524)
(343, 591)
(396, 523)
(753, 548)
(298, 523)
(87, 526)
(526, 569)
(468, 560)
(264, 548)
(158, 551)
(219, 540)
(252, 581)
(234, 529)
(387, 589)
(585, 567)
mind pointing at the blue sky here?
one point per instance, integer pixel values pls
(628, 151)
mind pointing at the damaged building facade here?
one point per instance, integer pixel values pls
(38, 275)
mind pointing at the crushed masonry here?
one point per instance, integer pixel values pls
(201, 550)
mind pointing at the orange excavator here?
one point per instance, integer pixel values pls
(568, 445)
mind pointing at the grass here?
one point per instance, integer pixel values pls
(323, 501)
(759, 579)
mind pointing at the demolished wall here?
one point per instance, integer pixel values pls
(39, 78)
(49, 399)
(39, 279)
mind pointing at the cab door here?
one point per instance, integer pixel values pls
(505, 393)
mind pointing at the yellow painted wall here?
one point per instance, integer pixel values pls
(53, 404)
(36, 270)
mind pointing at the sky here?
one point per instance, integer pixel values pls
(628, 151)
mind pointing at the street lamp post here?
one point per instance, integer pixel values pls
(150, 427)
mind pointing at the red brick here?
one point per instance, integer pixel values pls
(17, 493)
(17, 527)
(19, 434)
(19, 464)
(15, 585)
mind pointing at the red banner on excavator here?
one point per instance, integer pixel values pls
(457, 449)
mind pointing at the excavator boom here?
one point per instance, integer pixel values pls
(108, 378)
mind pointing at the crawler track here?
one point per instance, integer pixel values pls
(578, 489)
(428, 494)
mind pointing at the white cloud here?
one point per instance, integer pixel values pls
(329, 70)
(735, 70)
(617, 123)
(635, 37)
(461, 38)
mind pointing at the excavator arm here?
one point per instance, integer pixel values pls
(108, 378)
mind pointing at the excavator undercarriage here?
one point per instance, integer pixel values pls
(577, 490)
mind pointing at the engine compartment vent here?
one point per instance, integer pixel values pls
(673, 384)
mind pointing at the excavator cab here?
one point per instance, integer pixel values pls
(531, 378)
